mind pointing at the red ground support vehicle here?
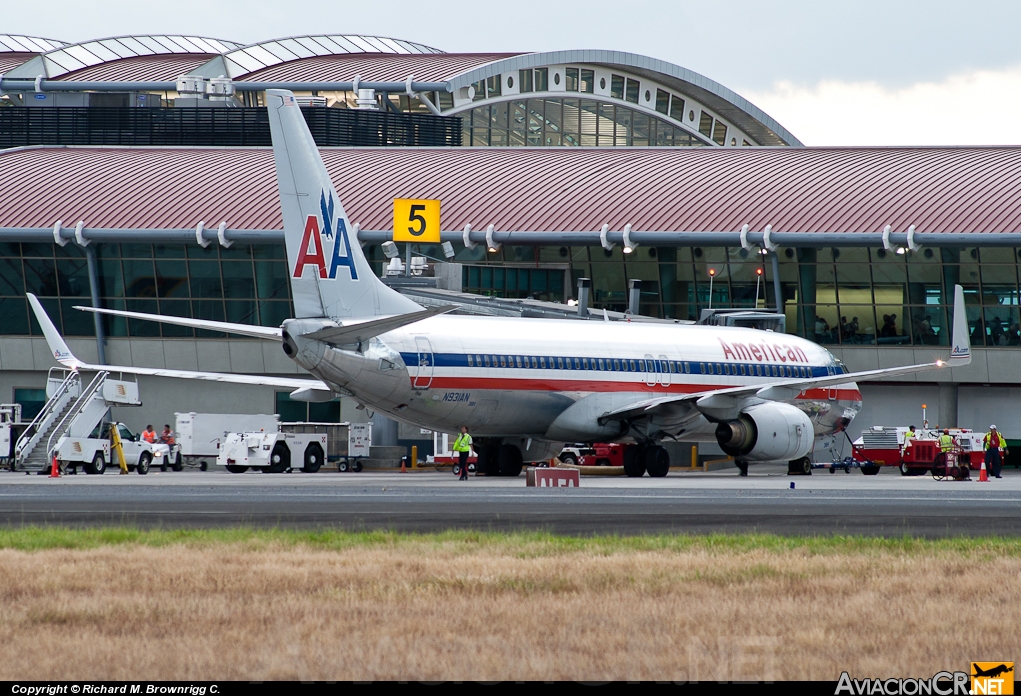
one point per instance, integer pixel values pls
(884, 446)
(603, 454)
(599, 454)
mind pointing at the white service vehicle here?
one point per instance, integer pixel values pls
(95, 453)
(273, 452)
(201, 434)
(10, 420)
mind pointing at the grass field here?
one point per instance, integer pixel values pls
(262, 605)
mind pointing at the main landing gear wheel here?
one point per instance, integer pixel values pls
(509, 461)
(800, 467)
(657, 461)
(488, 460)
(634, 461)
(313, 459)
(279, 460)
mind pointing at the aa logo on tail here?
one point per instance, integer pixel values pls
(311, 251)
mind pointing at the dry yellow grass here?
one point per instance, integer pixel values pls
(440, 608)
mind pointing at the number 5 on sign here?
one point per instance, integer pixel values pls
(416, 221)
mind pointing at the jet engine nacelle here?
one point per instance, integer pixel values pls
(767, 432)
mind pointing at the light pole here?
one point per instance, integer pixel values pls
(712, 274)
(758, 278)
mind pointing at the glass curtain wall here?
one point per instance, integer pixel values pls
(245, 284)
(835, 296)
(845, 296)
(569, 121)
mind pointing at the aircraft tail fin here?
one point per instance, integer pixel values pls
(329, 274)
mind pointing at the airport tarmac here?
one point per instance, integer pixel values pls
(824, 503)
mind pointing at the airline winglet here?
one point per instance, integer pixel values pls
(960, 344)
(59, 349)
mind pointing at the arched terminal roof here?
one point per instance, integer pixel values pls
(16, 49)
(799, 190)
(725, 102)
(127, 51)
(255, 57)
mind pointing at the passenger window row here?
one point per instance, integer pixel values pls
(544, 362)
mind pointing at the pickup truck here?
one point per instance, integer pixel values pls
(95, 454)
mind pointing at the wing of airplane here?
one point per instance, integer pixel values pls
(350, 332)
(727, 403)
(65, 357)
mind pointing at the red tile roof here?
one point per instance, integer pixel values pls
(161, 68)
(686, 189)
(9, 61)
(383, 67)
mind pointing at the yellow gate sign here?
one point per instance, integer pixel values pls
(416, 220)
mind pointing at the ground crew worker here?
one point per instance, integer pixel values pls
(463, 445)
(149, 435)
(992, 443)
(167, 436)
(908, 437)
(946, 441)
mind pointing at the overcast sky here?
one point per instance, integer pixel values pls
(867, 72)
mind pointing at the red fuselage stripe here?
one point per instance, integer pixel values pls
(586, 385)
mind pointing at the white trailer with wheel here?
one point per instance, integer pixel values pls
(201, 434)
(273, 453)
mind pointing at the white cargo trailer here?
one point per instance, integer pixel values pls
(201, 435)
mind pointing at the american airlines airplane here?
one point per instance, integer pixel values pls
(524, 386)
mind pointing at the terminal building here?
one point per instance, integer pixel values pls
(145, 159)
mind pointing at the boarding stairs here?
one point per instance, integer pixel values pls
(70, 412)
(63, 387)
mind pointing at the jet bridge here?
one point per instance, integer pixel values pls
(69, 412)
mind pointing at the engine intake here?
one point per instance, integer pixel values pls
(767, 432)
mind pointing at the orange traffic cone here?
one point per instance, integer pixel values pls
(982, 475)
(54, 469)
(404, 467)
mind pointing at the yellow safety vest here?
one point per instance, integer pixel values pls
(463, 443)
(988, 443)
(946, 443)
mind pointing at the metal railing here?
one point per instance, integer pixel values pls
(32, 432)
(79, 405)
(234, 127)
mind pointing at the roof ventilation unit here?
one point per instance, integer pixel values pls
(367, 99)
(220, 88)
(191, 85)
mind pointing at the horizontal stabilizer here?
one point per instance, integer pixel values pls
(266, 332)
(363, 331)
